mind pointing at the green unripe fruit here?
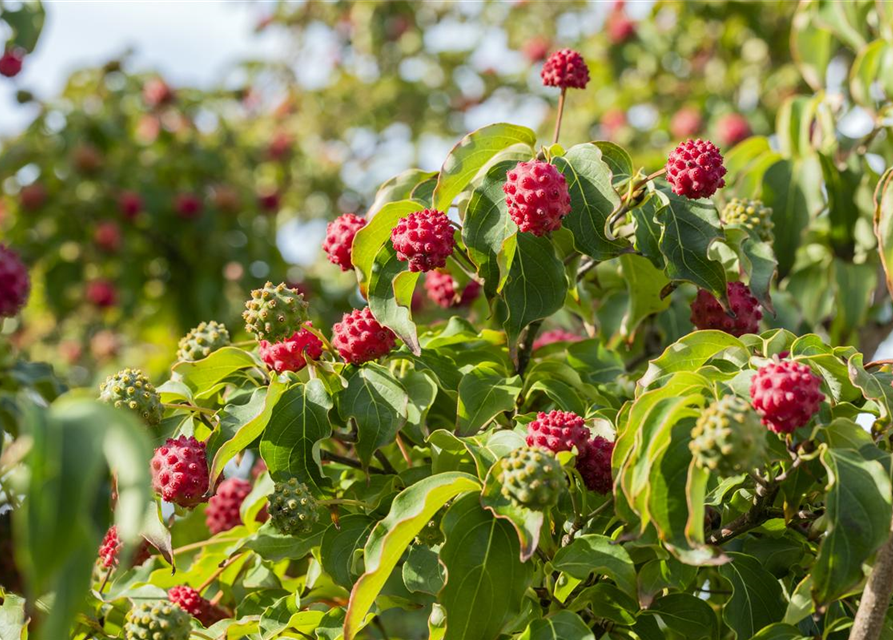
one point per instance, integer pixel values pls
(531, 478)
(202, 341)
(728, 438)
(293, 509)
(752, 215)
(431, 535)
(157, 621)
(132, 390)
(275, 313)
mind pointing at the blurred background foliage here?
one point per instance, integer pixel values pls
(370, 89)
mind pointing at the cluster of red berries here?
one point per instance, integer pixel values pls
(339, 239)
(553, 336)
(695, 169)
(442, 290)
(786, 394)
(424, 239)
(110, 550)
(192, 602)
(222, 512)
(14, 282)
(180, 471)
(537, 197)
(292, 353)
(707, 313)
(360, 338)
(559, 431)
(11, 62)
(565, 69)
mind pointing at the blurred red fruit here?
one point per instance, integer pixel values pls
(107, 236)
(102, 293)
(11, 62)
(33, 196)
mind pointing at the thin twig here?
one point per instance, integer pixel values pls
(226, 564)
(350, 462)
(383, 459)
(526, 348)
(559, 116)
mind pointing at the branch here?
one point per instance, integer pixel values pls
(872, 611)
(350, 462)
(526, 347)
(758, 514)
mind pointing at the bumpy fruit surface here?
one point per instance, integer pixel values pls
(202, 341)
(728, 438)
(110, 548)
(531, 478)
(537, 197)
(188, 206)
(695, 169)
(786, 394)
(565, 69)
(360, 338)
(102, 293)
(556, 335)
(557, 431)
(192, 602)
(11, 63)
(132, 390)
(732, 128)
(157, 621)
(180, 471)
(222, 512)
(424, 239)
(431, 534)
(752, 215)
(275, 313)
(594, 465)
(441, 289)
(14, 283)
(293, 509)
(706, 312)
(291, 354)
(339, 239)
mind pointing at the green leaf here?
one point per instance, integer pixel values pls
(271, 545)
(757, 600)
(644, 283)
(486, 579)
(564, 625)
(592, 200)
(422, 572)
(371, 238)
(68, 483)
(26, 22)
(488, 231)
(648, 231)
(618, 160)
(203, 376)
(874, 386)
(340, 543)
(687, 615)
(871, 66)
(536, 287)
(689, 229)
(376, 402)
(484, 393)
(841, 185)
(783, 193)
(596, 553)
(812, 46)
(410, 511)
(780, 631)
(12, 617)
(290, 445)
(400, 187)
(858, 510)
(248, 422)
(390, 295)
(690, 353)
(606, 601)
(883, 225)
(856, 284)
(471, 154)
